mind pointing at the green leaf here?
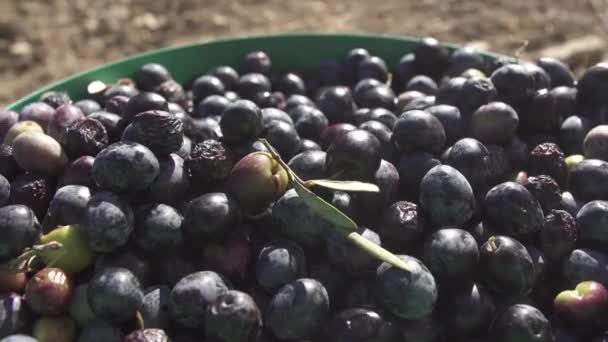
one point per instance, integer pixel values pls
(324, 209)
(378, 252)
(343, 185)
(335, 216)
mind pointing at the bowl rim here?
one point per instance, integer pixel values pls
(19, 103)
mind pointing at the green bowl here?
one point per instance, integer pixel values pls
(302, 52)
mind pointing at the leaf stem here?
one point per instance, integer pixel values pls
(20, 263)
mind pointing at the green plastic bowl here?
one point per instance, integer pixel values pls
(302, 52)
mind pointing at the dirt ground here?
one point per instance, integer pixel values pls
(45, 40)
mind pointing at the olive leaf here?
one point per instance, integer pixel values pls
(378, 252)
(324, 209)
(343, 185)
(332, 214)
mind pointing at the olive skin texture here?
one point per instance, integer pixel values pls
(422, 84)
(374, 95)
(559, 235)
(78, 172)
(256, 181)
(37, 152)
(353, 155)
(514, 83)
(278, 263)
(112, 122)
(173, 180)
(345, 256)
(147, 335)
(402, 225)
(234, 316)
(595, 142)
(20, 229)
(34, 190)
(548, 159)
(48, 292)
(151, 75)
(431, 58)
(468, 310)
(337, 103)
(446, 196)
(585, 264)
(451, 254)
(589, 180)
(86, 137)
(256, 61)
(284, 136)
(125, 167)
(386, 177)
(360, 325)
(523, 323)
(296, 221)
(412, 167)
(545, 190)
(115, 295)
(506, 266)
(160, 131)
(142, 102)
(298, 309)
(309, 122)
(559, 73)
(155, 307)
(332, 132)
(309, 165)
(15, 315)
(158, 228)
(572, 134)
(419, 131)
(502, 209)
(68, 205)
(241, 121)
(592, 84)
(494, 123)
(8, 164)
(132, 260)
(450, 119)
(64, 117)
(209, 162)
(472, 159)
(98, 331)
(79, 308)
(107, 221)
(465, 58)
(211, 214)
(583, 308)
(409, 295)
(592, 219)
(192, 295)
(8, 118)
(383, 134)
(40, 112)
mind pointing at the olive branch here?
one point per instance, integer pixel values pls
(344, 224)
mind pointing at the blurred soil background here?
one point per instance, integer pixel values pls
(45, 40)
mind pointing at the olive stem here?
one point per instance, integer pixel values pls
(139, 321)
(20, 263)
